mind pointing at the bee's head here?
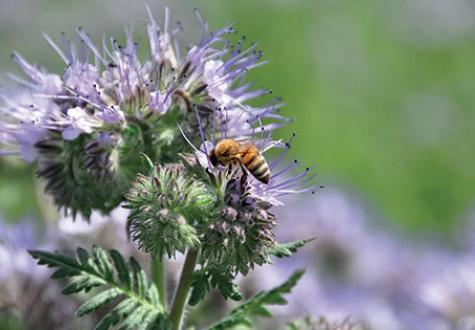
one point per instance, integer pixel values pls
(213, 158)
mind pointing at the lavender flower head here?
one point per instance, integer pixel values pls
(116, 129)
(86, 127)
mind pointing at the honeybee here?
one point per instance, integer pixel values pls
(246, 154)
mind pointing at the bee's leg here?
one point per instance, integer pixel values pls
(244, 177)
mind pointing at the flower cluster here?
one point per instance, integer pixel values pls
(117, 129)
(86, 126)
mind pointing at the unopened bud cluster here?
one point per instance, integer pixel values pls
(241, 234)
(166, 207)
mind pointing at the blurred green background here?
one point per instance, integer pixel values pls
(382, 92)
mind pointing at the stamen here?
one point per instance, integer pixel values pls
(283, 153)
(56, 48)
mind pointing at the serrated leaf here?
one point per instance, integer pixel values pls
(153, 294)
(288, 249)
(62, 272)
(83, 284)
(147, 321)
(103, 263)
(141, 306)
(256, 305)
(98, 301)
(205, 279)
(83, 256)
(140, 281)
(121, 268)
(134, 319)
(54, 260)
(121, 311)
(200, 287)
(262, 311)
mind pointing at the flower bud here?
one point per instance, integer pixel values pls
(166, 207)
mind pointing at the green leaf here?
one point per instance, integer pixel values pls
(134, 319)
(83, 256)
(84, 283)
(98, 301)
(140, 309)
(207, 278)
(121, 267)
(120, 312)
(147, 161)
(139, 277)
(256, 305)
(287, 249)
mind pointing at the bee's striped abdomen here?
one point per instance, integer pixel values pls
(256, 164)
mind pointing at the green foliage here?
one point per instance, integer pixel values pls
(139, 305)
(288, 249)
(206, 279)
(256, 306)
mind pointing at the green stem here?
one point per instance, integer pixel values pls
(159, 279)
(181, 293)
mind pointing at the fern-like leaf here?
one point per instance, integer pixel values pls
(207, 278)
(256, 306)
(288, 249)
(125, 282)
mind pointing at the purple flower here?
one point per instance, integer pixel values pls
(109, 90)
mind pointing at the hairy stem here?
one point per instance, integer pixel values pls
(157, 269)
(181, 293)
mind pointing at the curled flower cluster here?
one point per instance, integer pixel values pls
(244, 230)
(86, 126)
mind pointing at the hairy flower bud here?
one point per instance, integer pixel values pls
(165, 208)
